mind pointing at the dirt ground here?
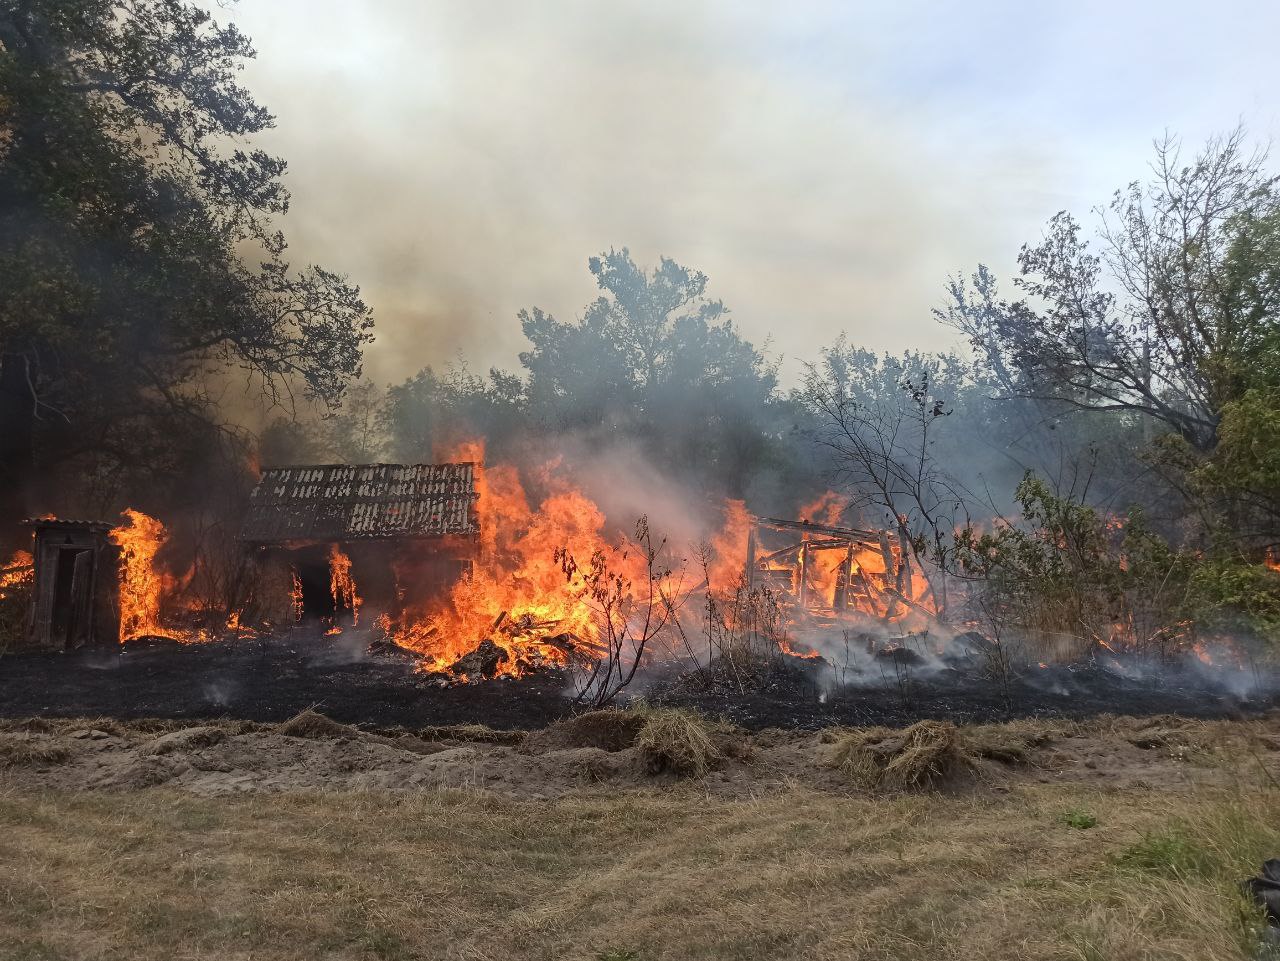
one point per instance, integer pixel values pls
(232, 757)
(1112, 838)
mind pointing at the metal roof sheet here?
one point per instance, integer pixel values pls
(344, 502)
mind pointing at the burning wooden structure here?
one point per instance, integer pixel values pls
(75, 591)
(830, 570)
(318, 530)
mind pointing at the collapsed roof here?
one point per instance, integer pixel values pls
(344, 502)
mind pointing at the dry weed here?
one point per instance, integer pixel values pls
(31, 752)
(610, 729)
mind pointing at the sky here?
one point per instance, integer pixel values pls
(827, 164)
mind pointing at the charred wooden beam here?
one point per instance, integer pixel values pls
(774, 523)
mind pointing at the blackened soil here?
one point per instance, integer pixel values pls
(273, 679)
(800, 694)
(266, 680)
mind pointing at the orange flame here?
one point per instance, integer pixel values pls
(826, 510)
(295, 594)
(16, 571)
(729, 547)
(141, 585)
(521, 594)
(785, 647)
(342, 585)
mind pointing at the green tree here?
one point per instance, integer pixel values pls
(139, 261)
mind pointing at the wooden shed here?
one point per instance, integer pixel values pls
(75, 594)
(406, 528)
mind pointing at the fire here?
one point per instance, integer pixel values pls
(342, 585)
(785, 647)
(826, 510)
(521, 594)
(16, 571)
(141, 586)
(295, 594)
(728, 548)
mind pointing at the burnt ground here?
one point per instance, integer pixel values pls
(273, 679)
(796, 696)
(264, 679)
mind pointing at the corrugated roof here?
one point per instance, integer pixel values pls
(343, 502)
(100, 526)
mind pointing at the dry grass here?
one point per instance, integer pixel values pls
(929, 754)
(652, 876)
(20, 751)
(678, 741)
(611, 729)
(310, 724)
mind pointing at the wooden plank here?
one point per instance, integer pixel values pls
(774, 523)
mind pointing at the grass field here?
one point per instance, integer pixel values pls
(672, 874)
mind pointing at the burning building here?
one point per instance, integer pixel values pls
(319, 531)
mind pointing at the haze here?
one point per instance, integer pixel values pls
(827, 164)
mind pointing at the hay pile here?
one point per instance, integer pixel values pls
(664, 740)
(611, 729)
(17, 751)
(315, 726)
(677, 741)
(929, 754)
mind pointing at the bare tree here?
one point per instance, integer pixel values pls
(1160, 321)
(629, 623)
(882, 447)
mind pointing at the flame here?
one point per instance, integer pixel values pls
(342, 585)
(142, 586)
(295, 594)
(826, 510)
(16, 571)
(521, 593)
(785, 647)
(728, 547)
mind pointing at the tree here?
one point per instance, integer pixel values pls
(139, 264)
(619, 353)
(656, 360)
(1166, 321)
(430, 412)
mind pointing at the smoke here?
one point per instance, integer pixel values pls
(827, 166)
(462, 161)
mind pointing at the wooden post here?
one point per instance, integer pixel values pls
(803, 558)
(890, 574)
(751, 559)
(844, 580)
